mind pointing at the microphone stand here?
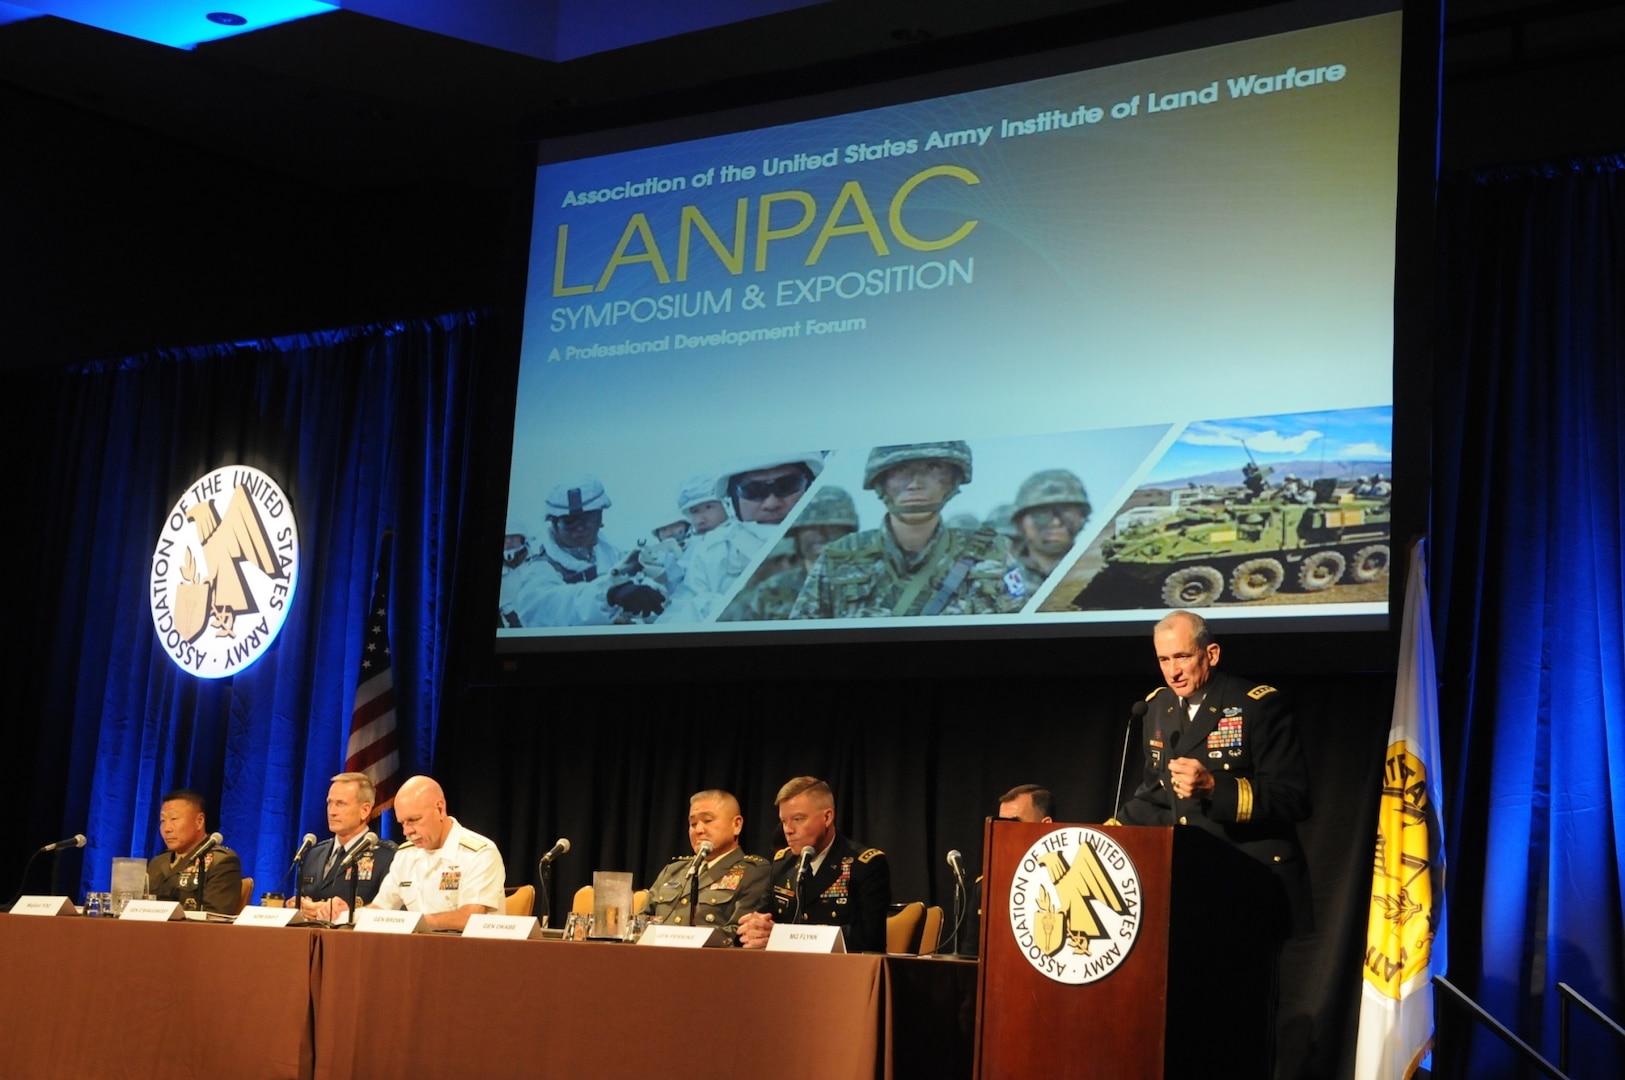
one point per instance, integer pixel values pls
(694, 892)
(544, 902)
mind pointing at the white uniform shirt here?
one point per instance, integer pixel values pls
(544, 598)
(711, 567)
(465, 869)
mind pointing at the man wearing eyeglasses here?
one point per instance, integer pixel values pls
(914, 564)
(762, 494)
(1050, 510)
(574, 582)
(838, 883)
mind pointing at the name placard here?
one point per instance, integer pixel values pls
(44, 905)
(153, 911)
(511, 927)
(378, 921)
(266, 916)
(803, 938)
(682, 937)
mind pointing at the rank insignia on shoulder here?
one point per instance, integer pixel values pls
(1261, 691)
(869, 854)
(755, 860)
(473, 843)
(1154, 693)
(781, 853)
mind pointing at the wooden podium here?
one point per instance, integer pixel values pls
(1120, 951)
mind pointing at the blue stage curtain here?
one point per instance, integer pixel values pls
(364, 430)
(1529, 580)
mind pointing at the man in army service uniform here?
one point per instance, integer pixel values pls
(821, 877)
(914, 564)
(1050, 510)
(216, 885)
(350, 798)
(731, 883)
(1222, 754)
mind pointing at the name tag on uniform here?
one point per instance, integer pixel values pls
(511, 927)
(378, 921)
(800, 937)
(682, 937)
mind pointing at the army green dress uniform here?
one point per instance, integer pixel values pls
(222, 881)
(1244, 734)
(869, 575)
(852, 890)
(733, 885)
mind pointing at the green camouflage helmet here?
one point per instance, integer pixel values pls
(882, 458)
(1050, 487)
(830, 506)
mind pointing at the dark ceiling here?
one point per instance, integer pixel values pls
(353, 125)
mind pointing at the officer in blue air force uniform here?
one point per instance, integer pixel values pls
(731, 883)
(350, 799)
(1222, 754)
(845, 884)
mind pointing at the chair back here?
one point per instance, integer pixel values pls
(582, 904)
(903, 929)
(248, 891)
(520, 901)
(931, 930)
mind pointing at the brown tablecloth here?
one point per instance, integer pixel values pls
(467, 1008)
(109, 999)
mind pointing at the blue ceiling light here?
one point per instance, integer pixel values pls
(180, 24)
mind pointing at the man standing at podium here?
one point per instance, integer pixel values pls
(1222, 754)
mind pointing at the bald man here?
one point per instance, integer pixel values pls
(443, 870)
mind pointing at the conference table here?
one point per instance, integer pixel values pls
(110, 998)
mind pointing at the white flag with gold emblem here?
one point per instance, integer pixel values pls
(1405, 942)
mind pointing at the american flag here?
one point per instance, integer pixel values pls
(373, 748)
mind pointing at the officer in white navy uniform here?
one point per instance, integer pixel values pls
(444, 870)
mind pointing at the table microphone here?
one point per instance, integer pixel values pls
(76, 840)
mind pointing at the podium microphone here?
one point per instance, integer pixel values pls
(1135, 714)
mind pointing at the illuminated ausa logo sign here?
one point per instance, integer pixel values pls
(1075, 905)
(224, 571)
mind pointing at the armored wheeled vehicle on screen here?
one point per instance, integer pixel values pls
(1242, 543)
